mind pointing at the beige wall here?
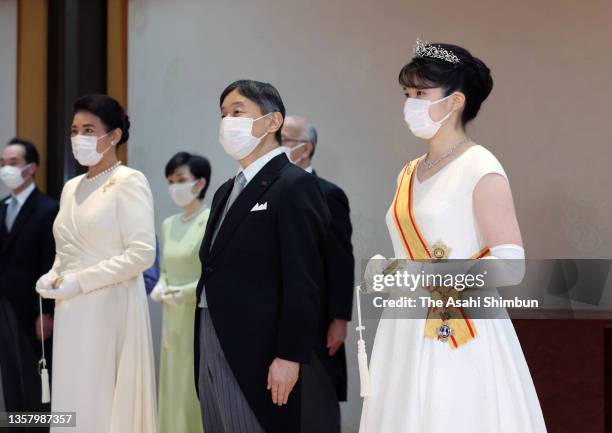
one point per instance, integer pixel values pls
(337, 63)
(8, 72)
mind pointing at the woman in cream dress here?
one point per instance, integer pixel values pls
(188, 177)
(104, 233)
(457, 195)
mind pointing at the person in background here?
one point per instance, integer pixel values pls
(188, 179)
(103, 365)
(27, 250)
(151, 275)
(324, 381)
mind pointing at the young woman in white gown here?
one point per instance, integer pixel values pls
(458, 195)
(103, 365)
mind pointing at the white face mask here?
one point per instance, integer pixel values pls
(85, 149)
(235, 134)
(416, 115)
(182, 193)
(288, 150)
(12, 176)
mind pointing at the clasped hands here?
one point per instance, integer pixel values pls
(169, 295)
(53, 286)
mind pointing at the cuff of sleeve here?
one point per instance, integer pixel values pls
(85, 283)
(340, 315)
(292, 354)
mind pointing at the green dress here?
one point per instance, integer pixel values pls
(179, 408)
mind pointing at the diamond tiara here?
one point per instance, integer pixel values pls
(425, 49)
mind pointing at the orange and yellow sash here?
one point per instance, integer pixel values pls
(418, 249)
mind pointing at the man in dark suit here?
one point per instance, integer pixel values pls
(262, 274)
(324, 381)
(27, 251)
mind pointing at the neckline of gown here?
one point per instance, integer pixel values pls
(443, 169)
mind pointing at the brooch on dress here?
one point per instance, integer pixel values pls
(108, 184)
(440, 251)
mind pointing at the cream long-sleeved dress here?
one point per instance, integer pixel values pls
(103, 366)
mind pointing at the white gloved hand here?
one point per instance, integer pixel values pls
(68, 289)
(173, 297)
(158, 291)
(504, 267)
(46, 281)
(376, 265)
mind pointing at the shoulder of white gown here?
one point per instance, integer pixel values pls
(75, 179)
(124, 171)
(478, 163)
(481, 159)
(71, 182)
(123, 174)
(404, 168)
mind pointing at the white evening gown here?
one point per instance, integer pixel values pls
(421, 385)
(103, 366)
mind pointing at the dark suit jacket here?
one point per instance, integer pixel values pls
(20, 380)
(263, 280)
(340, 281)
(26, 253)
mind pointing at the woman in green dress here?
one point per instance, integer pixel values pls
(188, 178)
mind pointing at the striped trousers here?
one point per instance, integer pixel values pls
(224, 407)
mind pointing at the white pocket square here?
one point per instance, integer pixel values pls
(258, 207)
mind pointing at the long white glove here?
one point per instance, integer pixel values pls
(509, 266)
(505, 266)
(46, 281)
(68, 289)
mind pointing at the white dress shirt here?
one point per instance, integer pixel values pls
(253, 168)
(21, 197)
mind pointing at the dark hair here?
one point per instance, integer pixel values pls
(198, 166)
(108, 110)
(264, 95)
(30, 151)
(470, 76)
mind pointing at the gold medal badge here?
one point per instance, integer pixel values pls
(440, 251)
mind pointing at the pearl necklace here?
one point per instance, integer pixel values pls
(429, 165)
(102, 173)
